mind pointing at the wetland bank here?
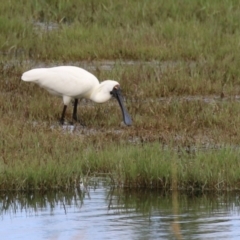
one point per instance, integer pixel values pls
(178, 65)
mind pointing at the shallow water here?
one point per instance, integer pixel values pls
(103, 212)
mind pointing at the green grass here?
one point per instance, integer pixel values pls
(181, 91)
(53, 163)
(161, 30)
(36, 153)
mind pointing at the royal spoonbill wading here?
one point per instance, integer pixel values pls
(71, 82)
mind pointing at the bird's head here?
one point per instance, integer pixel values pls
(105, 91)
(116, 93)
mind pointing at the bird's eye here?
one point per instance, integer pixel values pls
(111, 92)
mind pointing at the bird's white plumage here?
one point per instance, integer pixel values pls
(70, 82)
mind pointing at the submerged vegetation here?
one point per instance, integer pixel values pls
(178, 65)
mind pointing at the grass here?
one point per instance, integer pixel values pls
(135, 30)
(177, 62)
(52, 166)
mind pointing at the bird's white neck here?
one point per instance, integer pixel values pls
(101, 93)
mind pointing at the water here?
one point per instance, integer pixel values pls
(103, 212)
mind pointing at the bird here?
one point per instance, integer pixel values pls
(72, 82)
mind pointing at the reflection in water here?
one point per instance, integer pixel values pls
(35, 201)
(175, 224)
(107, 213)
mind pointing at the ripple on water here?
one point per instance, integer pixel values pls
(107, 213)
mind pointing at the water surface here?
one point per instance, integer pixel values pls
(103, 212)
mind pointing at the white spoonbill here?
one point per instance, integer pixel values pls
(71, 82)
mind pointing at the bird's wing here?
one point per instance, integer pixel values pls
(64, 80)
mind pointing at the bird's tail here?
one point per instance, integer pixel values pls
(33, 75)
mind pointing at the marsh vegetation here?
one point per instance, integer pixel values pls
(178, 65)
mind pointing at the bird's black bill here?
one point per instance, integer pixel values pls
(116, 92)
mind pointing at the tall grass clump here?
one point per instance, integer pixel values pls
(54, 164)
(215, 169)
(154, 167)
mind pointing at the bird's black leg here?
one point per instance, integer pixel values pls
(74, 116)
(63, 114)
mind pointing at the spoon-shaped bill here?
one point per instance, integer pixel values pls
(116, 92)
